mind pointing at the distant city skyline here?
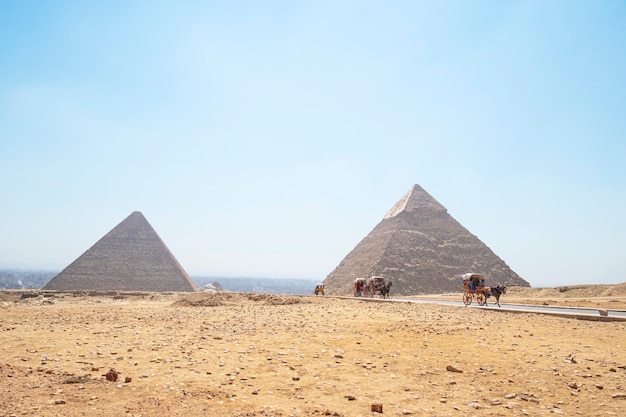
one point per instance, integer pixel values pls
(266, 139)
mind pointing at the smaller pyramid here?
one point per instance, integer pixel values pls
(131, 257)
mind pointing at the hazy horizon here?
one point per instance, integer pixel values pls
(303, 278)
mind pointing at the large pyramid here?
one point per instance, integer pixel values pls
(422, 250)
(131, 257)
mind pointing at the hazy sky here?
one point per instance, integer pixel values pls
(267, 138)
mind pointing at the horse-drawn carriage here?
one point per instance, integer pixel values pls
(319, 289)
(377, 285)
(361, 288)
(474, 287)
(364, 287)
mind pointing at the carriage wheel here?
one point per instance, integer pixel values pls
(480, 298)
(467, 297)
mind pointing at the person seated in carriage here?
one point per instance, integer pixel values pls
(481, 282)
(473, 281)
(477, 282)
(377, 282)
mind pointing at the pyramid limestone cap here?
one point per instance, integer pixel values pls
(415, 199)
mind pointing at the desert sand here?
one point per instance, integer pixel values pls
(232, 354)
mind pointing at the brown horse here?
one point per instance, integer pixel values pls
(385, 290)
(496, 291)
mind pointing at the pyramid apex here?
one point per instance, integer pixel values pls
(415, 199)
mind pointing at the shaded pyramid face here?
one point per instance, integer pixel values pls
(131, 257)
(421, 249)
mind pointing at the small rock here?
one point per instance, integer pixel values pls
(620, 395)
(377, 408)
(407, 412)
(296, 378)
(510, 396)
(350, 397)
(111, 375)
(451, 368)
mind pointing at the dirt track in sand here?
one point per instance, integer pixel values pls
(266, 355)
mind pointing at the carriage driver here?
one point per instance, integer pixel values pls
(473, 284)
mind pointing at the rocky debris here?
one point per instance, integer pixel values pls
(111, 375)
(377, 408)
(574, 385)
(77, 379)
(570, 359)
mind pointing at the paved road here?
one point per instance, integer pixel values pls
(580, 313)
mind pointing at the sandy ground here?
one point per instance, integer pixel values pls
(250, 355)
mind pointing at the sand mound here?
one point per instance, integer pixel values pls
(214, 299)
(570, 291)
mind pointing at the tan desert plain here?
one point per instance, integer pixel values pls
(121, 331)
(240, 354)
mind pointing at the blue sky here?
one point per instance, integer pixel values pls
(268, 138)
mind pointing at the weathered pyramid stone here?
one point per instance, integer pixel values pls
(422, 250)
(131, 257)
